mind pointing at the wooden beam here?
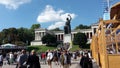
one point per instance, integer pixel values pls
(116, 29)
(111, 21)
(100, 24)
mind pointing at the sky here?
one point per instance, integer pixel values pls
(50, 14)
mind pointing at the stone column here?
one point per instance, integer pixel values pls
(39, 35)
(57, 38)
(72, 36)
(89, 35)
(60, 37)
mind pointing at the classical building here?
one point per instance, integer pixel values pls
(40, 32)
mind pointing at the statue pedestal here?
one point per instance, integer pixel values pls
(67, 38)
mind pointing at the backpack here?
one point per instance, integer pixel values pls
(62, 59)
(68, 59)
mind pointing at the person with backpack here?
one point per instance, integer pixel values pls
(22, 59)
(65, 59)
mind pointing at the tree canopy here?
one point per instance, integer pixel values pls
(20, 36)
(81, 26)
(49, 39)
(56, 29)
(34, 26)
(80, 39)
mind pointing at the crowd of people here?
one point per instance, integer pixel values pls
(86, 60)
(59, 57)
(22, 59)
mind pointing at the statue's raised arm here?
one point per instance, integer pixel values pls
(70, 18)
(67, 28)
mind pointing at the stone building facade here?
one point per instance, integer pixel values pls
(40, 32)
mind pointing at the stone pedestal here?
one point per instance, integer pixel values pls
(67, 38)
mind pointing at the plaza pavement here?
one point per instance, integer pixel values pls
(75, 64)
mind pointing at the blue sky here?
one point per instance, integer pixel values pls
(49, 13)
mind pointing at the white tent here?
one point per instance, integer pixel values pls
(8, 45)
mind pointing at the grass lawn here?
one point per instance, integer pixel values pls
(74, 48)
(40, 48)
(45, 48)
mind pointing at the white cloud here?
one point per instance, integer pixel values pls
(13, 4)
(51, 15)
(57, 24)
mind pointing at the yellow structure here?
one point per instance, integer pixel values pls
(105, 43)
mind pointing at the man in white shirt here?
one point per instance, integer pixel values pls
(49, 58)
(22, 59)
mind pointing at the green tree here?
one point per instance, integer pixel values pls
(35, 26)
(12, 36)
(1, 38)
(25, 35)
(49, 39)
(56, 29)
(82, 27)
(80, 39)
(9, 35)
(18, 36)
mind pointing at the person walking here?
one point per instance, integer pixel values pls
(11, 57)
(49, 58)
(85, 62)
(33, 60)
(1, 59)
(65, 59)
(43, 57)
(22, 59)
(55, 57)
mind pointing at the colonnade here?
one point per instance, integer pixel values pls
(39, 33)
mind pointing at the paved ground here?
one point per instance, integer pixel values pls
(75, 64)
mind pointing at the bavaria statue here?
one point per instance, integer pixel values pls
(67, 27)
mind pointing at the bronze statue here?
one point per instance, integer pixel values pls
(67, 27)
